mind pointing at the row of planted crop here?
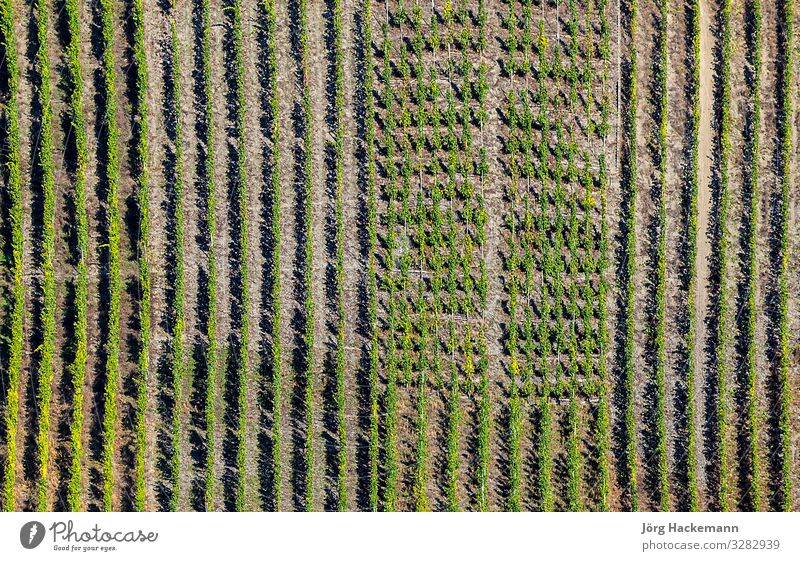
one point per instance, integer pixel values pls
(783, 487)
(467, 161)
(721, 492)
(47, 312)
(240, 239)
(177, 359)
(208, 188)
(518, 288)
(415, 333)
(141, 174)
(414, 164)
(750, 421)
(398, 317)
(276, 355)
(472, 84)
(659, 339)
(391, 283)
(10, 109)
(629, 171)
(109, 155)
(340, 366)
(308, 259)
(368, 86)
(690, 465)
(77, 366)
(564, 313)
(484, 427)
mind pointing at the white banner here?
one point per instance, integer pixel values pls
(370, 536)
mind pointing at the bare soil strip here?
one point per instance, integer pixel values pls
(706, 158)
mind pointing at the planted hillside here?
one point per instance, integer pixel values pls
(397, 255)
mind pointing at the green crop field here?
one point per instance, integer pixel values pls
(392, 255)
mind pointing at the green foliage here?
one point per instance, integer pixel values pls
(602, 429)
(372, 245)
(308, 261)
(691, 261)
(209, 185)
(722, 336)
(109, 153)
(751, 345)
(783, 496)
(514, 501)
(178, 356)
(275, 230)
(484, 427)
(243, 343)
(340, 280)
(141, 169)
(630, 167)
(544, 455)
(574, 461)
(77, 368)
(661, 265)
(47, 315)
(15, 224)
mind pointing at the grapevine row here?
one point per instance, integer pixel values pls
(308, 261)
(783, 496)
(722, 491)
(750, 375)
(110, 155)
(47, 315)
(690, 474)
(17, 298)
(178, 321)
(207, 172)
(372, 247)
(77, 367)
(602, 422)
(341, 468)
(630, 171)
(141, 171)
(243, 343)
(391, 467)
(484, 400)
(275, 231)
(662, 488)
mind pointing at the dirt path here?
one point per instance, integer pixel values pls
(288, 244)
(193, 257)
(218, 40)
(493, 197)
(704, 204)
(355, 264)
(28, 128)
(250, 26)
(155, 37)
(321, 289)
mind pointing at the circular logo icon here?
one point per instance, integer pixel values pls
(31, 534)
